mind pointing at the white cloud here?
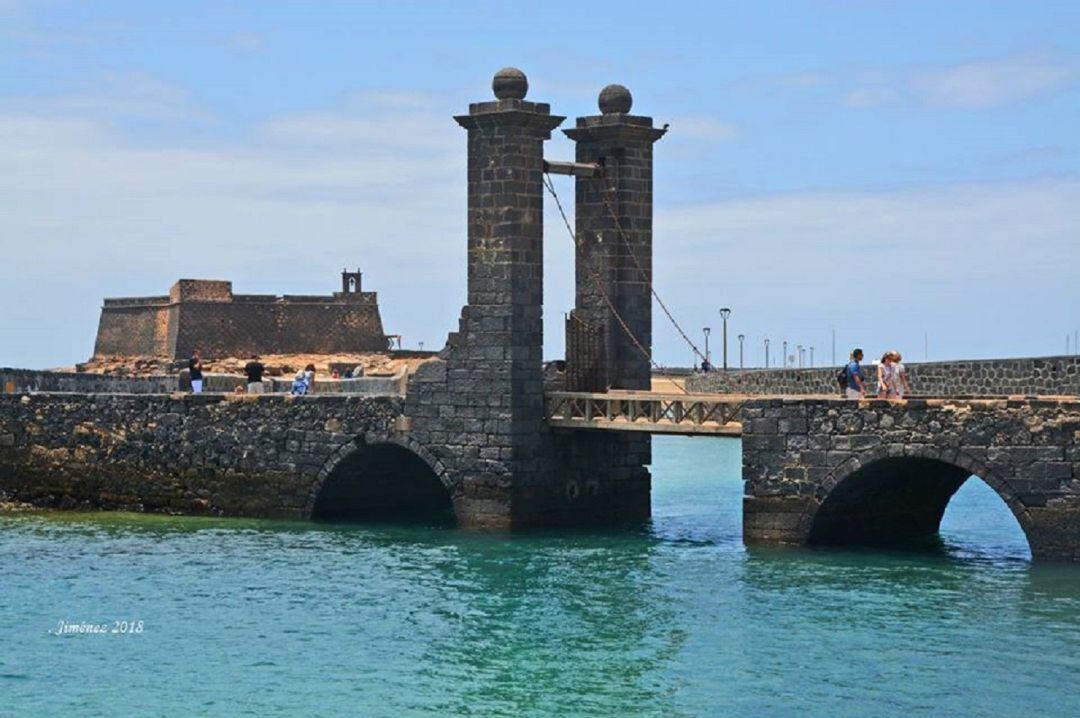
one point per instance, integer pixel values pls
(958, 261)
(702, 128)
(245, 40)
(992, 83)
(109, 97)
(280, 211)
(871, 97)
(972, 85)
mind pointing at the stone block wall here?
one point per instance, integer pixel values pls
(480, 408)
(830, 470)
(1036, 376)
(192, 454)
(134, 328)
(32, 380)
(206, 314)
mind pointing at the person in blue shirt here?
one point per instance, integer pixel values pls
(855, 387)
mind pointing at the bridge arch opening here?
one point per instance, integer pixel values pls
(898, 501)
(383, 482)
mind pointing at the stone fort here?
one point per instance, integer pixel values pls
(205, 314)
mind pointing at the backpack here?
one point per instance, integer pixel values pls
(842, 377)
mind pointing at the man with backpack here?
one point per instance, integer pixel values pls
(850, 377)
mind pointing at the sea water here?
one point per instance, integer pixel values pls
(138, 615)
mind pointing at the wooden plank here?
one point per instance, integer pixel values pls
(730, 429)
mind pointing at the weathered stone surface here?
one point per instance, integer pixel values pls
(241, 456)
(206, 314)
(1043, 376)
(893, 478)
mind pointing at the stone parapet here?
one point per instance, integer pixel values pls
(184, 453)
(1038, 376)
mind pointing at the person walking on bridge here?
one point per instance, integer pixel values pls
(195, 371)
(902, 385)
(254, 370)
(856, 389)
(886, 377)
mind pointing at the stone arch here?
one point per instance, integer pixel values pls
(381, 476)
(898, 493)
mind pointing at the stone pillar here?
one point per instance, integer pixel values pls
(605, 473)
(481, 410)
(618, 264)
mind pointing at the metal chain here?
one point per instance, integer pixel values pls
(644, 274)
(550, 185)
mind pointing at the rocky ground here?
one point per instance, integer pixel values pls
(374, 364)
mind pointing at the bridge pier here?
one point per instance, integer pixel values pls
(480, 408)
(873, 472)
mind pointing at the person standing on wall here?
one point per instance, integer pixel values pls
(194, 366)
(855, 388)
(254, 370)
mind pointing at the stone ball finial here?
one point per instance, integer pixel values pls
(510, 83)
(615, 99)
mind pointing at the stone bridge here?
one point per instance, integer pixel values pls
(482, 431)
(270, 456)
(836, 471)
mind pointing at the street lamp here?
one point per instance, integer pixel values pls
(708, 364)
(766, 352)
(742, 337)
(724, 314)
(811, 357)
(799, 347)
(784, 357)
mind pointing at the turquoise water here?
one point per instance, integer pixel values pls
(266, 618)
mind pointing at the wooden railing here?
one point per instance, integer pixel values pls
(644, 411)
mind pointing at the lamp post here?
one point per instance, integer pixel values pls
(742, 338)
(766, 352)
(783, 357)
(811, 357)
(708, 364)
(799, 347)
(724, 314)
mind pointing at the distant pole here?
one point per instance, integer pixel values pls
(766, 352)
(742, 337)
(724, 314)
(811, 357)
(784, 357)
(799, 349)
(834, 346)
(707, 330)
(1076, 336)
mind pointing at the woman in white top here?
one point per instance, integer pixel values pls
(900, 381)
(885, 376)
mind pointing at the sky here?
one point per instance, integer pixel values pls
(902, 174)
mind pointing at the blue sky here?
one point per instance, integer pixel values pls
(884, 169)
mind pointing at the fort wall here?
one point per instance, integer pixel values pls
(205, 314)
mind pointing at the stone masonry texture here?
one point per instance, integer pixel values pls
(613, 266)
(1037, 376)
(836, 471)
(207, 315)
(183, 453)
(480, 408)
